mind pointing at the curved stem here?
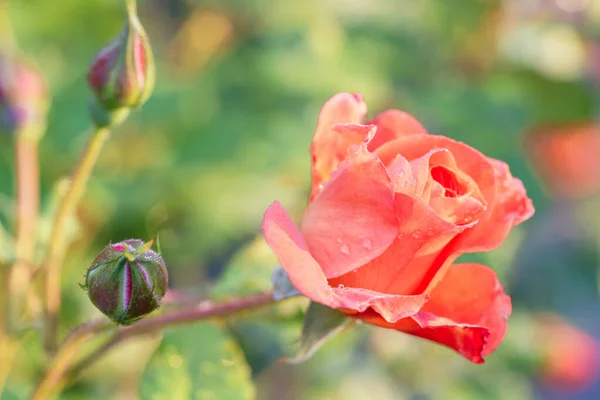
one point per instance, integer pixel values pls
(59, 371)
(28, 204)
(54, 374)
(57, 246)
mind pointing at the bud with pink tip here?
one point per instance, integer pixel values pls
(122, 74)
(127, 280)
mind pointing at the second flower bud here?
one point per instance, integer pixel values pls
(122, 74)
(127, 281)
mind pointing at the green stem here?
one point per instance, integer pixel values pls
(131, 6)
(57, 246)
(16, 278)
(27, 182)
(54, 374)
(7, 38)
(60, 372)
(8, 348)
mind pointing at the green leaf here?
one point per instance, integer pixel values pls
(197, 362)
(282, 287)
(248, 272)
(320, 324)
(261, 343)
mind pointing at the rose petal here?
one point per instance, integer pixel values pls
(421, 168)
(393, 124)
(401, 175)
(468, 312)
(510, 208)
(507, 201)
(459, 201)
(306, 275)
(493, 182)
(329, 147)
(468, 160)
(352, 220)
(343, 138)
(422, 246)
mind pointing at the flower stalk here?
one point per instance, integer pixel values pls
(57, 245)
(28, 194)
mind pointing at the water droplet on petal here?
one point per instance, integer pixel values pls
(367, 244)
(341, 286)
(345, 249)
(339, 240)
(416, 234)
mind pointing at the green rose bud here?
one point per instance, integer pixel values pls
(122, 74)
(127, 280)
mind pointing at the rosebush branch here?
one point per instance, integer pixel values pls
(61, 370)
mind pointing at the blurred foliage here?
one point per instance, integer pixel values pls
(185, 367)
(226, 132)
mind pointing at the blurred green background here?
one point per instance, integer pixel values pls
(227, 131)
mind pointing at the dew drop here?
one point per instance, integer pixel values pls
(430, 233)
(345, 249)
(416, 234)
(341, 286)
(367, 244)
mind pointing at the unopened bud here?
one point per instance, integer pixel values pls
(122, 74)
(23, 97)
(127, 281)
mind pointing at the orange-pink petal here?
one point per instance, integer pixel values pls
(422, 246)
(467, 312)
(306, 275)
(352, 220)
(393, 124)
(511, 207)
(329, 146)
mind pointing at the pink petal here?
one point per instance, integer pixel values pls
(468, 160)
(342, 140)
(421, 248)
(401, 175)
(510, 208)
(352, 220)
(393, 124)
(329, 147)
(468, 312)
(484, 172)
(304, 272)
